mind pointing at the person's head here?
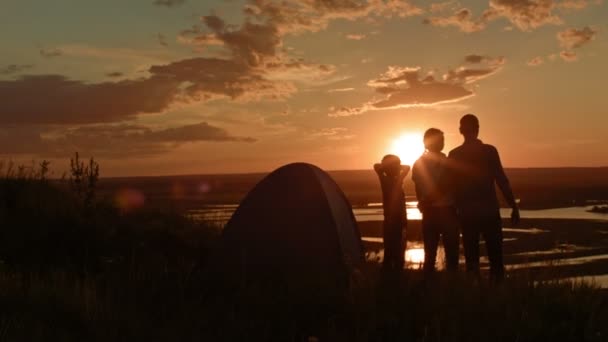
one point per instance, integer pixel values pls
(469, 126)
(391, 165)
(434, 140)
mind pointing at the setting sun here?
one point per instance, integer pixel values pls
(408, 147)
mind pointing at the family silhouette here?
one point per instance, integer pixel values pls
(456, 195)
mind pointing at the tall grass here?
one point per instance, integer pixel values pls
(75, 268)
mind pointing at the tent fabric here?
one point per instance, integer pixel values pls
(296, 224)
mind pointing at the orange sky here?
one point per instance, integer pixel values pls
(185, 87)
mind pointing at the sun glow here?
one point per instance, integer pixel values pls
(408, 147)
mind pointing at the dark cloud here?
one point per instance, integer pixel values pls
(474, 59)
(115, 74)
(12, 69)
(169, 3)
(406, 87)
(208, 78)
(192, 133)
(53, 99)
(50, 53)
(107, 140)
(478, 59)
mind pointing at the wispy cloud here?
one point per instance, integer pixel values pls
(355, 36)
(169, 3)
(51, 52)
(536, 61)
(340, 90)
(12, 69)
(334, 133)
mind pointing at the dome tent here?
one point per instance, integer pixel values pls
(295, 227)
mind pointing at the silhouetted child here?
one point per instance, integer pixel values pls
(391, 174)
(435, 202)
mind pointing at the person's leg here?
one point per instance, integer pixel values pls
(451, 238)
(393, 250)
(470, 241)
(398, 248)
(492, 233)
(386, 239)
(430, 237)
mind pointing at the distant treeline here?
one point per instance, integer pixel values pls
(537, 188)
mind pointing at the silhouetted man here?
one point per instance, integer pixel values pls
(435, 203)
(475, 168)
(391, 174)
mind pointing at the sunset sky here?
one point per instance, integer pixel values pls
(151, 87)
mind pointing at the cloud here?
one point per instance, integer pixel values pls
(536, 61)
(297, 16)
(115, 74)
(478, 59)
(462, 19)
(192, 133)
(162, 40)
(53, 99)
(407, 87)
(526, 15)
(12, 69)
(51, 53)
(334, 133)
(573, 38)
(108, 140)
(574, 4)
(568, 56)
(169, 3)
(251, 66)
(355, 36)
(340, 90)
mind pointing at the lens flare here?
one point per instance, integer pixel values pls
(408, 147)
(129, 199)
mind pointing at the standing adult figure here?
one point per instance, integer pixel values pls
(475, 168)
(435, 203)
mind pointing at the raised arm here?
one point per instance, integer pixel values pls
(378, 168)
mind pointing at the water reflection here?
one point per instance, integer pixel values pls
(413, 256)
(373, 212)
(596, 280)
